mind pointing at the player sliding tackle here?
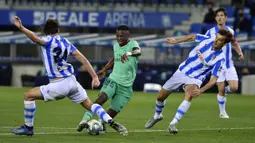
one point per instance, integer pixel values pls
(118, 86)
(206, 57)
(55, 50)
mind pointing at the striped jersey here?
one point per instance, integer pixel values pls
(213, 60)
(54, 54)
(227, 49)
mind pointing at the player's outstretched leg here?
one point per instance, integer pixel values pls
(29, 112)
(101, 113)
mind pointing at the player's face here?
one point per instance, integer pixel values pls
(220, 18)
(122, 37)
(219, 41)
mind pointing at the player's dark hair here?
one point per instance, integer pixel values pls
(229, 36)
(51, 27)
(221, 10)
(123, 27)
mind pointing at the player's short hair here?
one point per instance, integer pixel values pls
(123, 27)
(229, 36)
(221, 10)
(51, 27)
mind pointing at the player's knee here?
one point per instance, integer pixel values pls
(101, 99)
(234, 88)
(28, 96)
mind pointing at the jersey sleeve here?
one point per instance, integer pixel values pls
(200, 37)
(71, 47)
(217, 68)
(135, 44)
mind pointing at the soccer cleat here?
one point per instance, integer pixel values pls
(82, 125)
(118, 127)
(23, 130)
(224, 115)
(172, 129)
(152, 122)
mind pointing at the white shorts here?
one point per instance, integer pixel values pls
(67, 87)
(228, 74)
(178, 79)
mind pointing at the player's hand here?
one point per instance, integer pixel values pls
(195, 93)
(171, 40)
(200, 55)
(124, 58)
(17, 22)
(101, 74)
(95, 82)
(241, 56)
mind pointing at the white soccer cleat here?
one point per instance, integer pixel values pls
(224, 115)
(152, 122)
(172, 129)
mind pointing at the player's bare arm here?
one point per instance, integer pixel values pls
(109, 65)
(187, 38)
(238, 49)
(31, 35)
(77, 55)
(136, 52)
(211, 83)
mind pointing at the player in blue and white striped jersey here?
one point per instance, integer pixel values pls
(206, 57)
(55, 51)
(229, 72)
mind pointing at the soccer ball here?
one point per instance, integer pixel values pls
(94, 127)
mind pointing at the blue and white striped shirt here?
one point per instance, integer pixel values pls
(54, 54)
(213, 60)
(227, 49)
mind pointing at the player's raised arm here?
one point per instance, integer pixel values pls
(187, 38)
(77, 55)
(31, 35)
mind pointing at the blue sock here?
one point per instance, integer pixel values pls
(159, 108)
(100, 112)
(29, 112)
(182, 109)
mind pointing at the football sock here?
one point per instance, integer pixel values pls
(100, 112)
(182, 109)
(87, 116)
(159, 108)
(29, 112)
(222, 103)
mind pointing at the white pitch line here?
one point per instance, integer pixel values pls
(131, 131)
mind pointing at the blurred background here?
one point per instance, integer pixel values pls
(90, 25)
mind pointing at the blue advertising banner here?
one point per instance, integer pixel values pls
(95, 19)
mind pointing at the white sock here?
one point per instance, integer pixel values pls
(159, 108)
(222, 103)
(182, 109)
(100, 112)
(29, 112)
(227, 89)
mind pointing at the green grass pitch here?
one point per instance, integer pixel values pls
(56, 122)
